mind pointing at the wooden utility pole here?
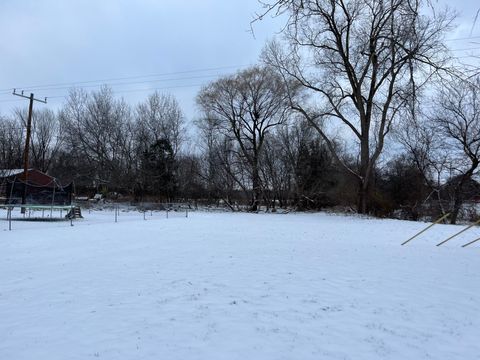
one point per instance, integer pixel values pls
(27, 141)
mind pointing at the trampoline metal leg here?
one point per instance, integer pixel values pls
(9, 217)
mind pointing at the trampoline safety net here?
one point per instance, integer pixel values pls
(51, 194)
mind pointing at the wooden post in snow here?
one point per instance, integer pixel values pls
(428, 227)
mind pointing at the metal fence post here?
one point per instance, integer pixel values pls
(9, 217)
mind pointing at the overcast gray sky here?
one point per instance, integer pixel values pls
(57, 41)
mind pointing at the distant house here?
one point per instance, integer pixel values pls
(39, 188)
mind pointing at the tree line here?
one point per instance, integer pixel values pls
(359, 104)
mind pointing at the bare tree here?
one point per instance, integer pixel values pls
(297, 167)
(246, 107)
(424, 144)
(457, 117)
(445, 142)
(11, 143)
(362, 62)
(276, 173)
(159, 123)
(160, 118)
(223, 170)
(97, 131)
(45, 140)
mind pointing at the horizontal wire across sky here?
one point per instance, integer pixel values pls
(176, 82)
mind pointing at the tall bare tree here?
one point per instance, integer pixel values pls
(363, 63)
(247, 106)
(97, 132)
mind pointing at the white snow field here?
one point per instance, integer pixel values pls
(237, 286)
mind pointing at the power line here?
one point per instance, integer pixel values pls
(71, 84)
(125, 91)
(467, 56)
(129, 82)
(465, 49)
(465, 38)
(12, 100)
(67, 85)
(140, 90)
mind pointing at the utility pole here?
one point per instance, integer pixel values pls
(27, 141)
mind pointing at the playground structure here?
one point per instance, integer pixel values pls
(33, 188)
(442, 218)
(35, 191)
(114, 212)
(69, 209)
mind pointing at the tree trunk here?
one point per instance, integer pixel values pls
(365, 177)
(256, 189)
(456, 209)
(458, 193)
(256, 194)
(363, 197)
(458, 199)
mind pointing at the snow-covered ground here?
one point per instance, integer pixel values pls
(236, 286)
